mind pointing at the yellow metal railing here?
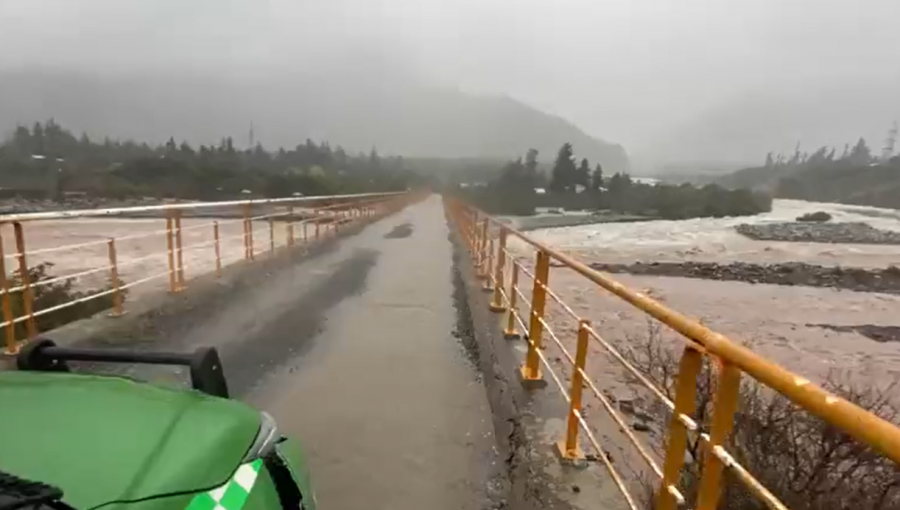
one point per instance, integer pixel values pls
(486, 239)
(305, 220)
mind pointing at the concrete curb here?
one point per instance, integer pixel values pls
(519, 432)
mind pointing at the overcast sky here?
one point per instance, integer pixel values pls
(636, 72)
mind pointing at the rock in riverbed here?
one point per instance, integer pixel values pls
(853, 233)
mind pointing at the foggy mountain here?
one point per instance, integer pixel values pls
(348, 108)
(740, 131)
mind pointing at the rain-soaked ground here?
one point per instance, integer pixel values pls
(390, 408)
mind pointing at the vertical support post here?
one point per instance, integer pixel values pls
(271, 235)
(317, 230)
(179, 250)
(480, 242)
(489, 267)
(246, 236)
(497, 303)
(290, 227)
(11, 347)
(27, 292)
(305, 232)
(114, 279)
(218, 249)
(725, 405)
(476, 242)
(569, 449)
(510, 332)
(685, 403)
(170, 247)
(250, 244)
(531, 371)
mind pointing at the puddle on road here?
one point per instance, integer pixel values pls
(400, 231)
(292, 333)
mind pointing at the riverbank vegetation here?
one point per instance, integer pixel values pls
(521, 188)
(802, 460)
(853, 176)
(49, 292)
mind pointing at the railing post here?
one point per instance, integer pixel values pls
(179, 250)
(472, 237)
(114, 280)
(27, 292)
(497, 305)
(685, 403)
(218, 249)
(271, 235)
(569, 449)
(531, 371)
(250, 244)
(489, 267)
(290, 227)
(246, 236)
(510, 332)
(728, 387)
(11, 346)
(480, 247)
(170, 247)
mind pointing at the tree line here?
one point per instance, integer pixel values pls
(853, 176)
(521, 187)
(49, 160)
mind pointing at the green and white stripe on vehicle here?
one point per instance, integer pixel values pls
(232, 494)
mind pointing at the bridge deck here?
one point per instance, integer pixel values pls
(353, 352)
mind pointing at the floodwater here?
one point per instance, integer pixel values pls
(80, 245)
(715, 240)
(778, 320)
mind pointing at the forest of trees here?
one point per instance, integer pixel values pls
(854, 176)
(576, 184)
(46, 160)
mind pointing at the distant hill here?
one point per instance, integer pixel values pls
(357, 113)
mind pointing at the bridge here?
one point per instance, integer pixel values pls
(415, 345)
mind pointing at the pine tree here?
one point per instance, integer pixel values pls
(597, 178)
(583, 176)
(861, 154)
(531, 167)
(564, 170)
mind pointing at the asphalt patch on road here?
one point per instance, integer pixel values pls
(400, 231)
(291, 334)
(880, 334)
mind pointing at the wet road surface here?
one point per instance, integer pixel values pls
(353, 352)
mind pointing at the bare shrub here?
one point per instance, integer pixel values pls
(805, 462)
(54, 294)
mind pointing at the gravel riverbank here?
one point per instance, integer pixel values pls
(789, 273)
(834, 233)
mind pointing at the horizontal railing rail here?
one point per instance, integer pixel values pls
(166, 249)
(486, 239)
(118, 211)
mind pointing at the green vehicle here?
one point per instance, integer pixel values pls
(84, 441)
